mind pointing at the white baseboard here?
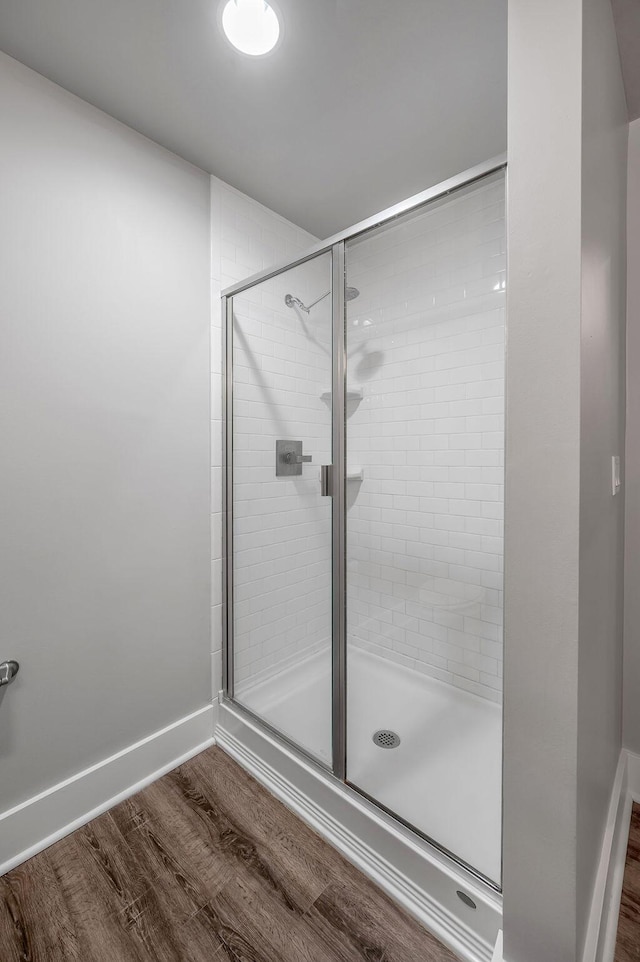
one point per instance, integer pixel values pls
(413, 873)
(497, 952)
(603, 919)
(44, 819)
(633, 775)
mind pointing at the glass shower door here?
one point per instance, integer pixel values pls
(281, 522)
(364, 499)
(425, 448)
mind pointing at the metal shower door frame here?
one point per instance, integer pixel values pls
(337, 491)
(339, 519)
(334, 245)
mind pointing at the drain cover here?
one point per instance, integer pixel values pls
(386, 738)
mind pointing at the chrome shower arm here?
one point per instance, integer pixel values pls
(321, 298)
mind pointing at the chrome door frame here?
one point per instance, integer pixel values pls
(467, 177)
(227, 497)
(339, 521)
(337, 493)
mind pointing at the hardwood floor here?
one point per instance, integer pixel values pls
(628, 938)
(203, 866)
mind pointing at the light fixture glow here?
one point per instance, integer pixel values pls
(251, 26)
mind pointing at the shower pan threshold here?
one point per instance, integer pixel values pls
(449, 752)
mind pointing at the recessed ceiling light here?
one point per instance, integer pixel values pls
(251, 26)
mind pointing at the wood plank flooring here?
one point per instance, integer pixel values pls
(202, 866)
(628, 937)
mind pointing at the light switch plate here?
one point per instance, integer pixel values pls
(615, 474)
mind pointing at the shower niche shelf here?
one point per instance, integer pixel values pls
(355, 474)
(352, 394)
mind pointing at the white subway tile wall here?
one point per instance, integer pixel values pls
(282, 525)
(426, 347)
(426, 344)
(245, 237)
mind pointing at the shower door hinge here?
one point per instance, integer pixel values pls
(326, 480)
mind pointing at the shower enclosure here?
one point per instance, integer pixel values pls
(364, 452)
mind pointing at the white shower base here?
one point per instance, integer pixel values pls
(445, 778)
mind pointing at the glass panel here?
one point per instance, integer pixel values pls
(281, 522)
(425, 450)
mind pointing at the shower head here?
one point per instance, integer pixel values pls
(290, 301)
(350, 294)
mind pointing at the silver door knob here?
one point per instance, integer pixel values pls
(8, 671)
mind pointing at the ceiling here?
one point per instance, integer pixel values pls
(361, 104)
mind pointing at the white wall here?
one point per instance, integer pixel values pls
(104, 383)
(542, 480)
(563, 536)
(631, 698)
(245, 238)
(426, 344)
(602, 427)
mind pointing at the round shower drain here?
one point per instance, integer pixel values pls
(386, 739)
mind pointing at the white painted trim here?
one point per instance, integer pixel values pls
(605, 906)
(40, 821)
(633, 775)
(412, 872)
(611, 907)
(613, 827)
(497, 952)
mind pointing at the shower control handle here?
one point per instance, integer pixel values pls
(292, 458)
(289, 459)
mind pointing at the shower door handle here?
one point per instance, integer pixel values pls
(325, 480)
